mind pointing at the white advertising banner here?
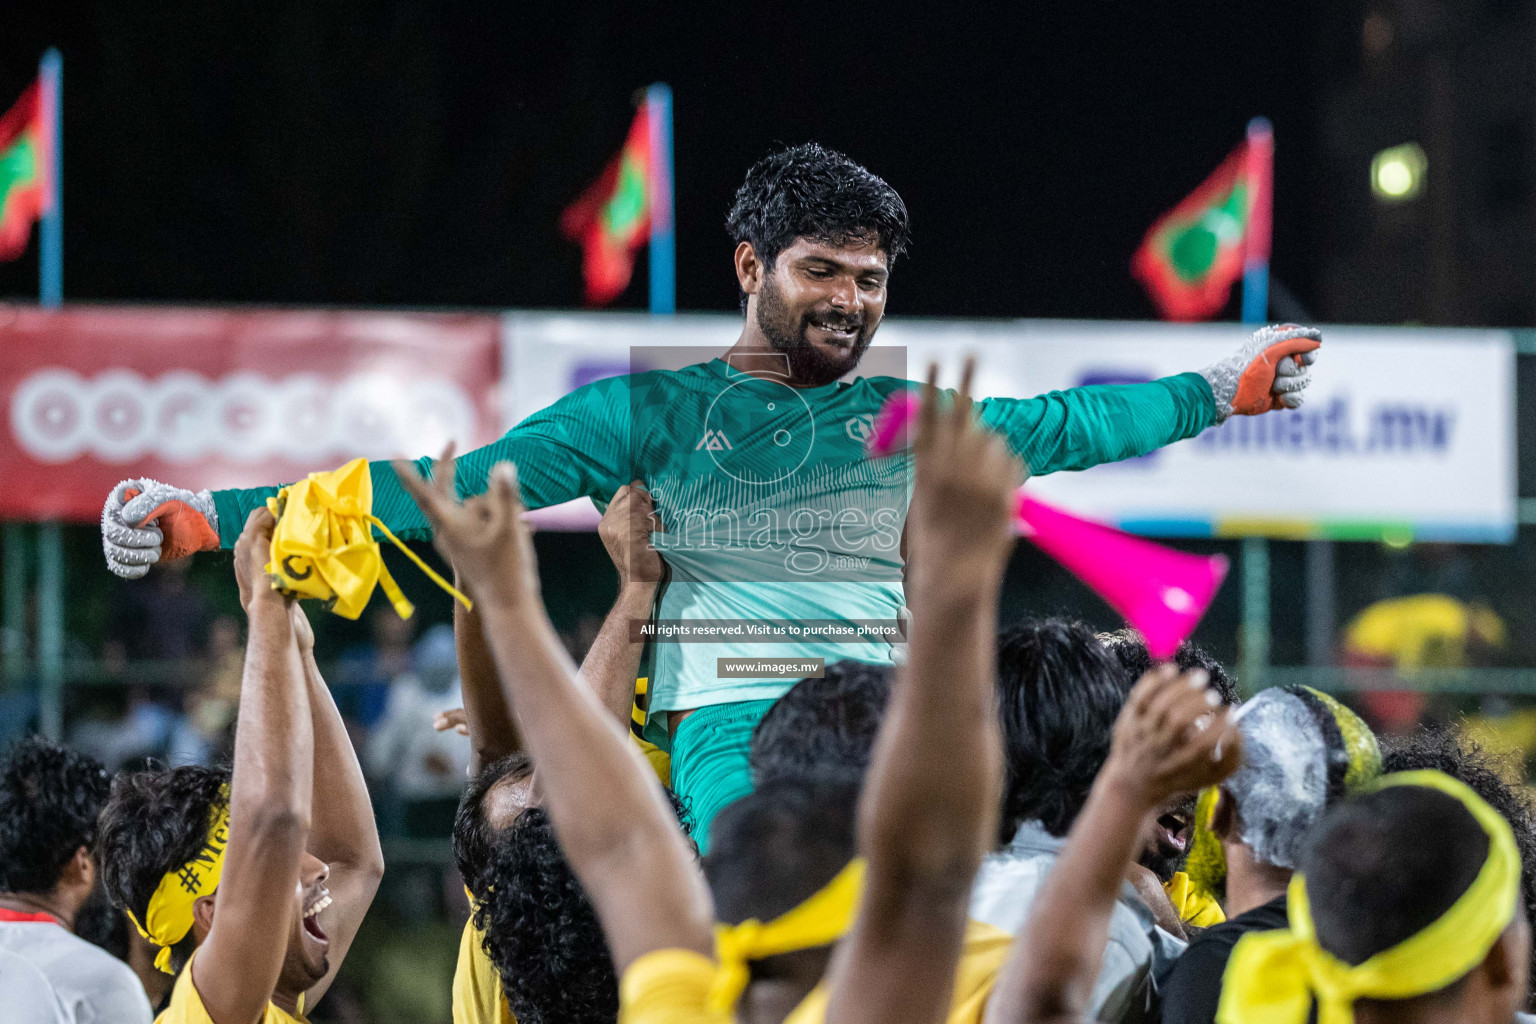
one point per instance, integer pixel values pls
(1407, 433)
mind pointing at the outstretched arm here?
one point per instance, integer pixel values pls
(579, 446)
(607, 810)
(344, 834)
(237, 966)
(1082, 427)
(930, 806)
(1167, 740)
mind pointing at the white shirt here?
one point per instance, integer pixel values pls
(1137, 954)
(86, 984)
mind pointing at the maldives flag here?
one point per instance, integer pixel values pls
(26, 140)
(1193, 254)
(612, 218)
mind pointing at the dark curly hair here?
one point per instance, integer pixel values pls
(155, 821)
(823, 729)
(1059, 691)
(49, 799)
(1443, 749)
(809, 191)
(541, 931)
(1131, 648)
(474, 840)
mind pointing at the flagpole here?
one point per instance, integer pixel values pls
(50, 545)
(1260, 158)
(658, 104)
(50, 231)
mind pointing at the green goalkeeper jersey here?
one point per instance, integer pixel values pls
(772, 515)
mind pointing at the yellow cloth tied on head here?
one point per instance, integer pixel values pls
(168, 918)
(819, 921)
(1273, 976)
(323, 545)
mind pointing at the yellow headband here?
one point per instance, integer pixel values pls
(1272, 976)
(322, 546)
(169, 916)
(818, 921)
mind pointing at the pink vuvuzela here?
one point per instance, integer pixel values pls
(1161, 592)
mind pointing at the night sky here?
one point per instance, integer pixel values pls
(419, 154)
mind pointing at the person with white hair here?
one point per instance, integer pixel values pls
(1303, 752)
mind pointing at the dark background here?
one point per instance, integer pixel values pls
(407, 153)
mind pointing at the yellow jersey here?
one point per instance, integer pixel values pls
(186, 1006)
(659, 760)
(478, 997)
(671, 986)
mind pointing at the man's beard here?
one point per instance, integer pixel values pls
(1163, 863)
(808, 365)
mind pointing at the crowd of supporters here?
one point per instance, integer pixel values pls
(1032, 824)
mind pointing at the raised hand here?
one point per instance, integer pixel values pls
(453, 718)
(252, 553)
(1172, 737)
(626, 530)
(928, 812)
(145, 521)
(1269, 372)
(484, 538)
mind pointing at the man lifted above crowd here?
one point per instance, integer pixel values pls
(816, 239)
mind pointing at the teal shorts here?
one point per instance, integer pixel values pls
(709, 760)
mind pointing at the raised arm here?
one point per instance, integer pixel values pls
(344, 834)
(1167, 740)
(929, 808)
(578, 446)
(607, 810)
(488, 720)
(614, 658)
(237, 965)
(611, 663)
(1083, 427)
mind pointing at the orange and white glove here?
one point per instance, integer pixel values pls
(1269, 372)
(145, 521)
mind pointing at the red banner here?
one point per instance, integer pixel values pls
(220, 398)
